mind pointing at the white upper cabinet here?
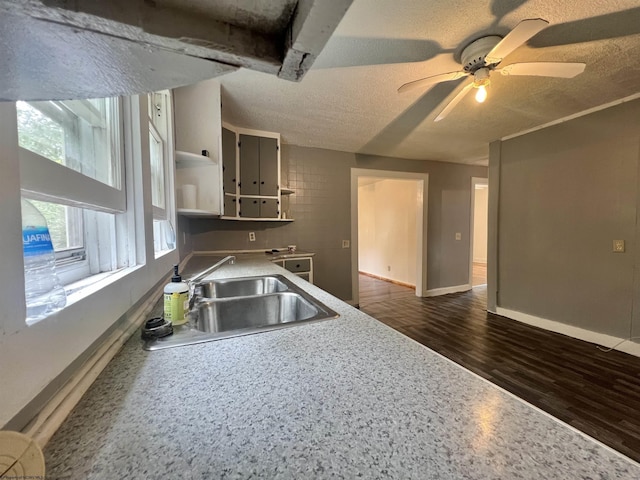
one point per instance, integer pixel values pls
(198, 128)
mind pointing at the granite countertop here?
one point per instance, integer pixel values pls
(199, 263)
(343, 398)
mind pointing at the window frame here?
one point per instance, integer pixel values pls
(46, 180)
(162, 131)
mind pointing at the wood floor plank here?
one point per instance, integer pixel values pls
(597, 392)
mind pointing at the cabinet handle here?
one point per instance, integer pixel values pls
(233, 179)
(261, 183)
(255, 201)
(264, 201)
(255, 182)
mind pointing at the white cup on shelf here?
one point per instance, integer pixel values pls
(189, 196)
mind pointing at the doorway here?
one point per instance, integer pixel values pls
(479, 230)
(388, 228)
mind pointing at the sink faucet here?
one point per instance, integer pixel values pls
(194, 281)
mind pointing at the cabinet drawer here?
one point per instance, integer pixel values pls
(305, 276)
(298, 265)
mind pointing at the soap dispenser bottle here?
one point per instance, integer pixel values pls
(176, 299)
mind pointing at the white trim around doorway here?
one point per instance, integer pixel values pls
(421, 225)
(474, 181)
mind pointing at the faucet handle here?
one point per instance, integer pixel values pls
(195, 291)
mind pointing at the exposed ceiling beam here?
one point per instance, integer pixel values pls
(136, 46)
(310, 28)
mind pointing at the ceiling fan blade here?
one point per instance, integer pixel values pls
(451, 105)
(544, 69)
(516, 37)
(423, 82)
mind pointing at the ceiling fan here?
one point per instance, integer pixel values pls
(482, 56)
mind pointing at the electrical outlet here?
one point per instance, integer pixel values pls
(252, 236)
(346, 243)
(388, 268)
(618, 246)
(458, 236)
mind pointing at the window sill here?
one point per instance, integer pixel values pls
(87, 286)
(163, 253)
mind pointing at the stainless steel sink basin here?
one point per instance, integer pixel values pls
(250, 312)
(242, 287)
(244, 306)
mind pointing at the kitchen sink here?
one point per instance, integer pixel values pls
(241, 287)
(227, 308)
(253, 311)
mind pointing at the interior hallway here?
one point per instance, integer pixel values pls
(479, 274)
(595, 392)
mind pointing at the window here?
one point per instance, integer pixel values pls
(77, 134)
(71, 169)
(66, 228)
(160, 151)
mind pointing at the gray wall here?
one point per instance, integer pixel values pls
(565, 193)
(321, 209)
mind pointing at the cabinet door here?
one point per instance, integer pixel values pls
(249, 165)
(268, 166)
(250, 207)
(269, 208)
(229, 206)
(298, 265)
(229, 161)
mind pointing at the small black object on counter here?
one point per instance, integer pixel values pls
(156, 327)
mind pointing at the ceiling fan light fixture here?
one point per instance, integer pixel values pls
(481, 81)
(481, 94)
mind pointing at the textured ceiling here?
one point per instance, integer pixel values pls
(348, 101)
(62, 49)
(270, 17)
(348, 98)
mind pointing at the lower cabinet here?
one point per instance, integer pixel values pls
(259, 207)
(230, 205)
(301, 266)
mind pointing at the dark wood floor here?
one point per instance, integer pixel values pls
(596, 392)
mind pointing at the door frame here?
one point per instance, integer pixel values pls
(421, 224)
(475, 181)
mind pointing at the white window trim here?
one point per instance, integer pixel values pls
(167, 141)
(46, 180)
(49, 181)
(160, 213)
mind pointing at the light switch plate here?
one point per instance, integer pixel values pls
(458, 236)
(346, 243)
(618, 246)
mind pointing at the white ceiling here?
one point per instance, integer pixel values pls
(59, 49)
(320, 76)
(348, 100)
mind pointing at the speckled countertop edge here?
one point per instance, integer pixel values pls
(338, 399)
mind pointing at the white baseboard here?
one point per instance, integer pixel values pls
(602, 339)
(445, 290)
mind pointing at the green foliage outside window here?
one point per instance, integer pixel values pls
(40, 134)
